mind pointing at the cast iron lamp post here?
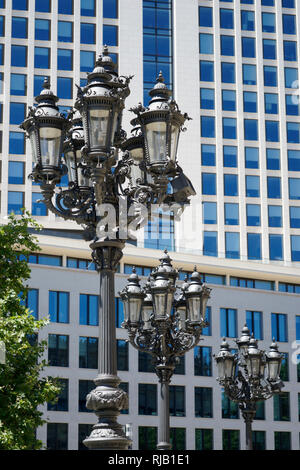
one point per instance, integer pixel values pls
(166, 321)
(249, 376)
(86, 145)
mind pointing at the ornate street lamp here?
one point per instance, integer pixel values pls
(104, 169)
(167, 323)
(257, 378)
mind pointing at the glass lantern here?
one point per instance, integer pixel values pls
(46, 128)
(197, 296)
(254, 359)
(226, 362)
(132, 297)
(162, 291)
(274, 359)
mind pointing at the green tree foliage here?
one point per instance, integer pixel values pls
(22, 388)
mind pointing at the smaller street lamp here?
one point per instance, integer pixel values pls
(249, 376)
(166, 321)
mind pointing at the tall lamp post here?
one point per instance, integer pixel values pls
(85, 145)
(249, 376)
(166, 321)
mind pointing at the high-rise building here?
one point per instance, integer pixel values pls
(233, 67)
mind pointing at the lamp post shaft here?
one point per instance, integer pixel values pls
(248, 415)
(164, 418)
(107, 399)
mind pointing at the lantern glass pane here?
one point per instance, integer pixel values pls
(146, 313)
(70, 162)
(135, 309)
(194, 306)
(228, 368)
(156, 138)
(50, 140)
(34, 152)
(174, 142)
(98, 127)
(253, 365)
(181, 311)
(273, 370)
(83, 180)
(221, 368)
(137, 154)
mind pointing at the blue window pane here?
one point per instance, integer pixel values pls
(42, 30)
(273, 159)
(65, 31)
(228, 72)
(294, 217)
(293, 132)
(250, 129)
(290, 50)
(275, 216)
(227, 45)
(292, 105)
(231, 213)
(268, 22)
(208, 183)
(59, 307)
(15, 202)
(17, 113)
(232, 245)
(249, 74)
(251, 157)
(247, 20)
(19, 27)
(226, 18)
(65, 7)
(295, 247)
(289, 24)
(65, 88)
(18, 56)
(207, 126)
(252, 186)
(279, 326)
(64, 59)
(18, 4)
(254, 323)
(209, 212)
(43, 6)
(1, 54)
(110, 8)
(288, 3)
(231, 185)
(88, 8)
(87, 61)
(254, 245)
(208, 155)
(250, 102)
(16, 143)
(228, 322)
(270, 75)
(272, 131)
(210, 244)
(271, 103)
(38, 208)
(275, 247)
(32, 302)
(206, 71)
(38, 84)
(274, 187)
(41, 58)
(291, 77)
(207, 98)
(229, 156)
(110, 37)
(294, 160)
(206, 43)
(294, 188)
(228, 100)
(269, 3)
(87, 33)
(253, 215)
(205, 16)
(248, 47)
(269, 49)
(15, 172)
(229, 128)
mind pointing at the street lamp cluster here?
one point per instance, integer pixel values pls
(249, 376)
(165, 320)
(107, 171)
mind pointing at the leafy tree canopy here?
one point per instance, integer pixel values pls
(22, 389)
